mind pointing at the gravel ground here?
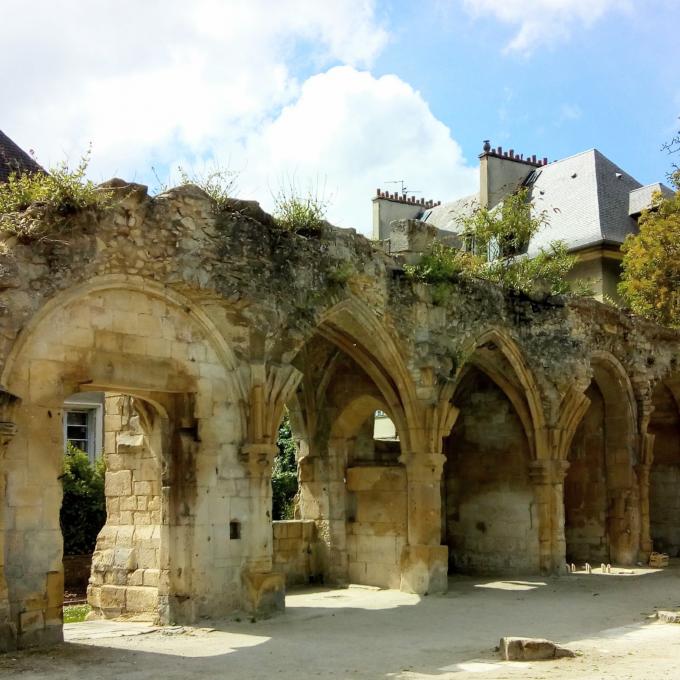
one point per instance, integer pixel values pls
(359, 633)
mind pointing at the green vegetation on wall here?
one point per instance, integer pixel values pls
(36, 205)
(495, 243)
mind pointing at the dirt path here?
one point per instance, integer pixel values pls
(356, 633)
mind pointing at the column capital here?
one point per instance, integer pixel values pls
(548, 471)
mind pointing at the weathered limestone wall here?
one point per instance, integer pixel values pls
(377, 524)
(296, 550)
(217, 319)
(664, 483)
(585, 487)
(491, 521)
(126, 562)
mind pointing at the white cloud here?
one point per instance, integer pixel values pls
(150, 83)
(350, 132)
(138, 78)
(542, 22)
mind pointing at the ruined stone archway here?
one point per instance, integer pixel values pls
(602, 513)
(664, 475)
(491, 524)
(133, 340)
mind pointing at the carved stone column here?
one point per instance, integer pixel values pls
(8, 633)
(264, 590)
(642, 470)
(547, 477)
(424, 562)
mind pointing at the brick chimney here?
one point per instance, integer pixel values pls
(501, 173)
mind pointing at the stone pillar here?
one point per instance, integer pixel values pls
(547, 477)
(8, 633)
(642, 470)
(264, 591)
(424, 561)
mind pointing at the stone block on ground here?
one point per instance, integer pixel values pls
(532, 649)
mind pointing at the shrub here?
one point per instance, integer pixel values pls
(284, 474)
(300, 214)
(496, 241)
(83, 508)
(34, 205)
(218, 182)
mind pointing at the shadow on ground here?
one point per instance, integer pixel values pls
(356, 633)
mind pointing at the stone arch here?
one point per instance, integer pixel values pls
(375, 497)
(354, 328)
(491, 520)
(126, 336)
(137, 284)
(663, 467)
(515, 378)
(601, 496)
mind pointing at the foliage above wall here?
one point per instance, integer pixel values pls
(35, 205)
(495, 242)
(284, 475)
(650, 281)
(298, 212)
(83, 508)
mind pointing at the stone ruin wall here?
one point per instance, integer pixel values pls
(213, 321)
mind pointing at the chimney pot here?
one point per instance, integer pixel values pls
(545, 161)
(487, 146)
(512, 153)
(377, 191)
(499, 151)
(533, 158)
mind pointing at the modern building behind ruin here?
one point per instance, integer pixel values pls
(531, 431)
(591, 205)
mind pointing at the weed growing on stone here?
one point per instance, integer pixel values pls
(36, 205)
(300, 213)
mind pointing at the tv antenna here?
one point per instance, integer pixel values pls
(402, 183)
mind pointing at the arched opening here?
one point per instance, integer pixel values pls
(664, 479)
(126, 568)
(171, 433)
(490, 517)
(601, 507)
(352, 486)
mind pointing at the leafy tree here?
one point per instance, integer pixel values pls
(83, 508)
(495, 242)
(650, 280)
(284, 474)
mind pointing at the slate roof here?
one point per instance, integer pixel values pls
(642, 198)
(14, 159)
(586, 197)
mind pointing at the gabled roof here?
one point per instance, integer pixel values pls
(14, 159)
(586, 198)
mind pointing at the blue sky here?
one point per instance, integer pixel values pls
(339, 96)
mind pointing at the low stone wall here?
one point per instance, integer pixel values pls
(295, 551)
